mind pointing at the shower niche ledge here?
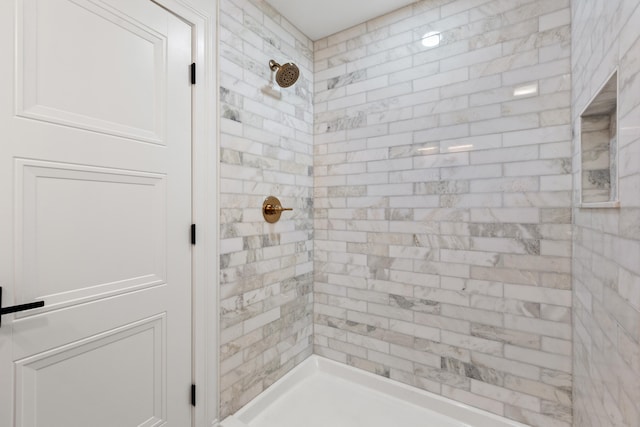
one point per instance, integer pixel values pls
(599, 149)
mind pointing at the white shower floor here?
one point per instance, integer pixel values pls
(322, 393)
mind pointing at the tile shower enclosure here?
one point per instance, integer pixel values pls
(431, 237)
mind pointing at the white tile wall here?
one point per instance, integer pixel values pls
(442, 220)
(266, 149)
(606, 264)
(443, 203)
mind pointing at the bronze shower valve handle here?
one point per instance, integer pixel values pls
(272, 209)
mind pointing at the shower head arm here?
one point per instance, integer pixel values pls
(273, 65)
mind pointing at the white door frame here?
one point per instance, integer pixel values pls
(205, 179)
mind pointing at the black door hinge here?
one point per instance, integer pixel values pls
(193, 395)
(193, 234)
(193, 73)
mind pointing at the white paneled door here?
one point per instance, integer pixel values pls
(95, 214)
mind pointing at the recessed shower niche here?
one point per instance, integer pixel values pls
(599, 148)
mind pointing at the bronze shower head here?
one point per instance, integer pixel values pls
(286, 74)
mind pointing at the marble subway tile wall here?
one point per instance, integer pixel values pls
(443, 202)
(266, 149)
(606, 266)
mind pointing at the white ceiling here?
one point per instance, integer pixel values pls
(320, 18)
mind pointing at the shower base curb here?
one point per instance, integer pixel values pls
(439, 409)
